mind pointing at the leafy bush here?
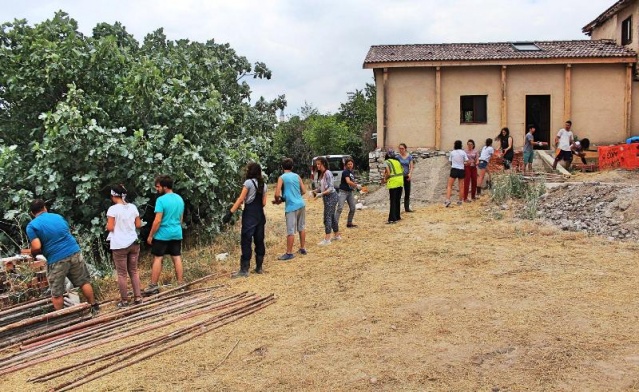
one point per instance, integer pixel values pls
(79, 113)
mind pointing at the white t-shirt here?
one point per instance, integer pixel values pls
(457, 158)
(565, 138)
(486, 153)
(123, 234)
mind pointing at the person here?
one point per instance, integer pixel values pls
(49, 235)
(506, 147)
(579, 148)
(394, 178)
(165, 236)
(253, 195)
(346, 187)
(458, 159)
(470, 171)
(563, 141)
(406, 160)
(122, 221)
(482, 167)
(529, 152)
(290, 189)
(326, 190)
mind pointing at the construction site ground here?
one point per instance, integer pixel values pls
(469, 298)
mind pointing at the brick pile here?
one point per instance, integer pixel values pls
(11, 269)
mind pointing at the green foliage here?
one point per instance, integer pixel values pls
(311, 134)
(79, 113)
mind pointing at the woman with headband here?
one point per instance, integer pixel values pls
(122, 221)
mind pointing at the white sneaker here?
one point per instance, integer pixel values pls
(336, 238)
(324, 243)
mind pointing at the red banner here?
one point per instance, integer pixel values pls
(625, 156)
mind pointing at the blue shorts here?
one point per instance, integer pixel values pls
(482, 165)
(528, 156)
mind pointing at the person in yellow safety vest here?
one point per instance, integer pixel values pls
(394, 178)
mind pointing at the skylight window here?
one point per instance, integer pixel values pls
(525, 46)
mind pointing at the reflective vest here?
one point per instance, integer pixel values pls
(396, 178)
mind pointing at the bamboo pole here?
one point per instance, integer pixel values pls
(179, 339)
(16, 364)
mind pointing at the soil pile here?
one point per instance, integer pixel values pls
(428, 184)
(609, 209)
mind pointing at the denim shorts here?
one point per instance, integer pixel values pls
(482, 165)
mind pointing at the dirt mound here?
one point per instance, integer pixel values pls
(429, 184)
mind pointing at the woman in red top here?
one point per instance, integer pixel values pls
(470, 171)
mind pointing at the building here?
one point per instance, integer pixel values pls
(433, 94)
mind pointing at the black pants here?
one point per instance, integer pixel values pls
(406, 194)
(395, 204)
(253, 222)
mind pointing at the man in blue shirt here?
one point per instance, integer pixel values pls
(290, 188)
(165, 236)
(49, 235)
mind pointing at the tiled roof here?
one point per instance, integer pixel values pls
(607, 14)
(496, 51)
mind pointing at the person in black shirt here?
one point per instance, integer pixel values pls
(346, 187)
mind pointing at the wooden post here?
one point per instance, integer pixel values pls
(438, 108)
(504, 98)
(567, 92)
(627, 118)
(385, 107)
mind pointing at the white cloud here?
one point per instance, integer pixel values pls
(316, 48)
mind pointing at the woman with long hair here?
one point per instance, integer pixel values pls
(406, 160)
(457, 159)
(253, 195)
(122, 221)
(482, 167)
(326, 190)
(506, 147)
(470, 171)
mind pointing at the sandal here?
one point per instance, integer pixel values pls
(122, 304)
(138, 301)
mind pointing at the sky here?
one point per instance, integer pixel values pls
(316, 49)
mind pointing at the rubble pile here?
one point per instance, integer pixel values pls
(610, 210)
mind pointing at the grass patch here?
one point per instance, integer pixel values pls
(513, 186)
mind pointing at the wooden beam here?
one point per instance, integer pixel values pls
(504, 98)
(476, 63)
(385, 107)
(567, 92)
(627, 118)
(438, 108)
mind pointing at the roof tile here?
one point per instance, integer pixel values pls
(496, 51)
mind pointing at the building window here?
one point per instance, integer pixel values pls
(525, 46)
(473, 109)
(626, 31)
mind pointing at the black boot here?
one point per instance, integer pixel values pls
(258, 264)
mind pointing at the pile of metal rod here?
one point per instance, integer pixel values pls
(201, 307)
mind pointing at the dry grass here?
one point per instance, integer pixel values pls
(448, 299)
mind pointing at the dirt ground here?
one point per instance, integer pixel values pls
(467, 298)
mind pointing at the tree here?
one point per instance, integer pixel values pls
(359, 113)
(79, 113)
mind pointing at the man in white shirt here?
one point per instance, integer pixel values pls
(564, 140)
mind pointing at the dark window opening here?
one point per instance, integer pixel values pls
(473, 109)
(626, 31)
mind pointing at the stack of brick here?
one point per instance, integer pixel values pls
(497, 162)
(9, 267)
